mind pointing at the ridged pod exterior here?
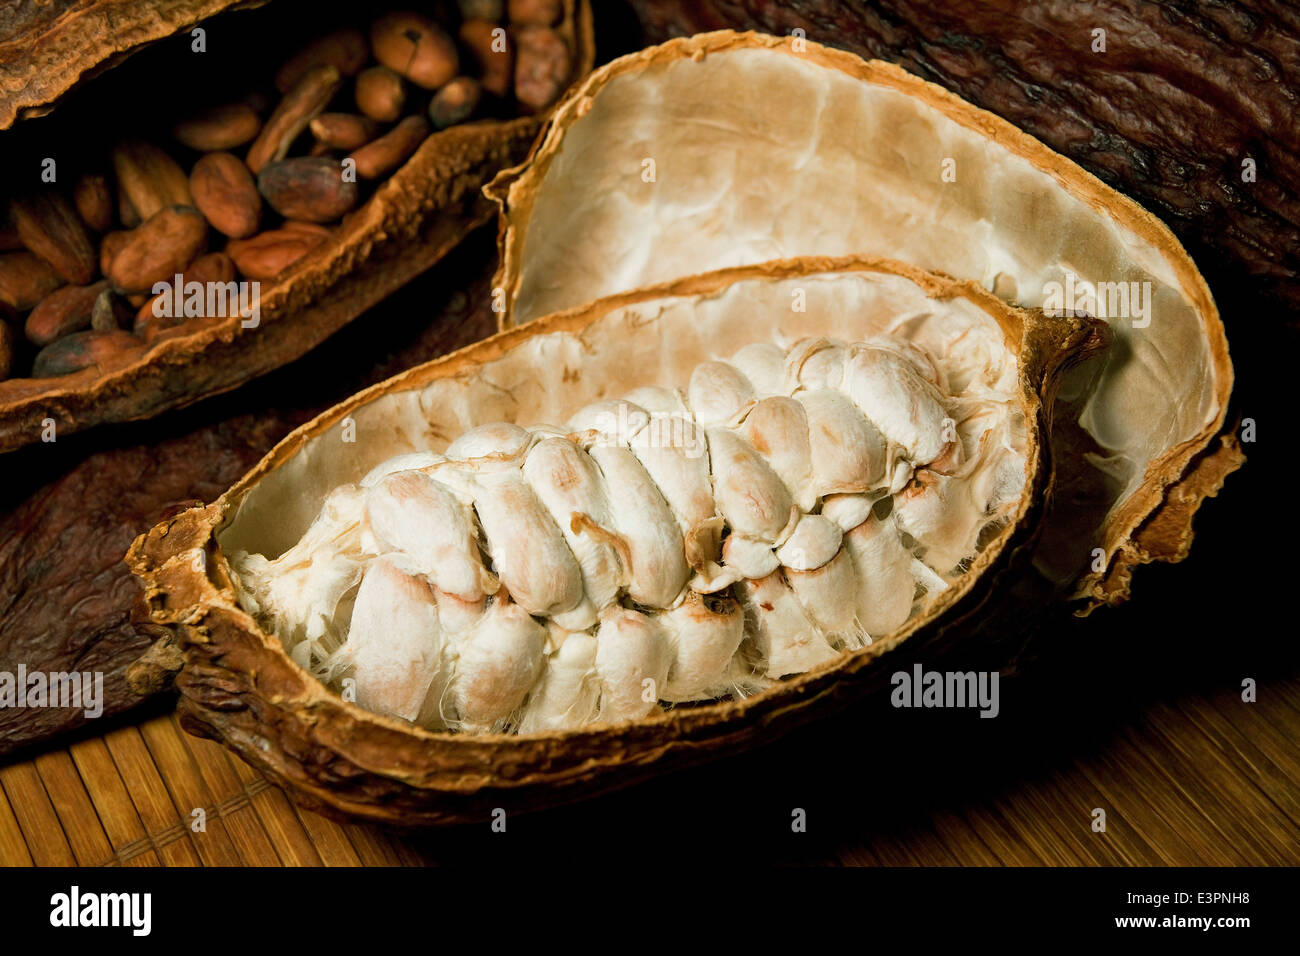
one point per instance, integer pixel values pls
(239, 685)
(729, 148)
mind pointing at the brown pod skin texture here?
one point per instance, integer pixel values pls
(343, 130)
(379, 94)
(210, 268)
(94, 201)
(309, 188)
(8, 342)
(222, 127)
(267, 254)
(49, 226)
(392, 149)
(300, 106)
(542, 66)
(345, 50)
(149, 177)
(415, 47)
(62, 312)
(157, 250)
(497, 67)
(110, 246)
(535, 13)
(25, 279)
(225, 193)
(455, 102)
(81, 350)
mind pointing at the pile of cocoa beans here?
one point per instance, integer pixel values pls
(270, 176)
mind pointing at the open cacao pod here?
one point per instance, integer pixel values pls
(730, 148)
(51, 58)
(246, 683)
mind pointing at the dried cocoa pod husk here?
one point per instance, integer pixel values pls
(379, 94)
(288, 720)
(269, 253)
(346, 50)
(149, 178)
(343, 130)
(306, 99)
(94, 201)
(542, 65)
(224, 191)
(220, 128)
(455, 102)
(308, 188)
(63, 311)
(413, 46)
(496, 66)
(159, 248)
(539, 13)
(81, 350)
(210, 268)
(878, 144)
(382, 156)
(49, 226)
(25, 279)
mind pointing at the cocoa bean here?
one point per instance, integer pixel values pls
(481, 9)
(415, 47)
(493, 52)
(268, 254)
(455, 102)
(8, 345)
(215, 267)
(110, 312)
(110, 246)
(222, 127)
(310, 188)
(379, 94)
(159, 248)
(149, 178)
(10, 241)
(25, 279)
(304, 101)
(345, 50)
(542, 67)
(392, 149)
(540, 13)
(225, 193)
(49, 226)
(62, 312)
(126, 213)
(94, 201)
(343, 130)
(80, 350)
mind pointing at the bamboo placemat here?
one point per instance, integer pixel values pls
(1200, 780)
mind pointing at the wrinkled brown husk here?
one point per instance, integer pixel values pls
(411, 222)
(239, 686)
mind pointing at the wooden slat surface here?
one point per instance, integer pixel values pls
(1204, 779)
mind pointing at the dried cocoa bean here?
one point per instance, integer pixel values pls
(493, 53)
(161, 247)
(309, 188)
(304, 101)
(222, 127)
(8, 344)
(149, 178)
(345, 50)
(110, 246)
(49, 226)
(481, 9)
(81, 350)
(542, 66)
(94, 201)
(211, 268)
(415, 47)
(392, 149)
(540, 13)
(267, 254)
(225, 193)
(10, 241)
(455, 102)
(343, 130)
(126, 213)
(379, 94)
(62, 312)
(109, 312)
(25, 279)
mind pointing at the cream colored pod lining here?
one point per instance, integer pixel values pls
(715, 491)
(725, 149)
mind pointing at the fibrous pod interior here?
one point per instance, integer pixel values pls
(779, 487)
